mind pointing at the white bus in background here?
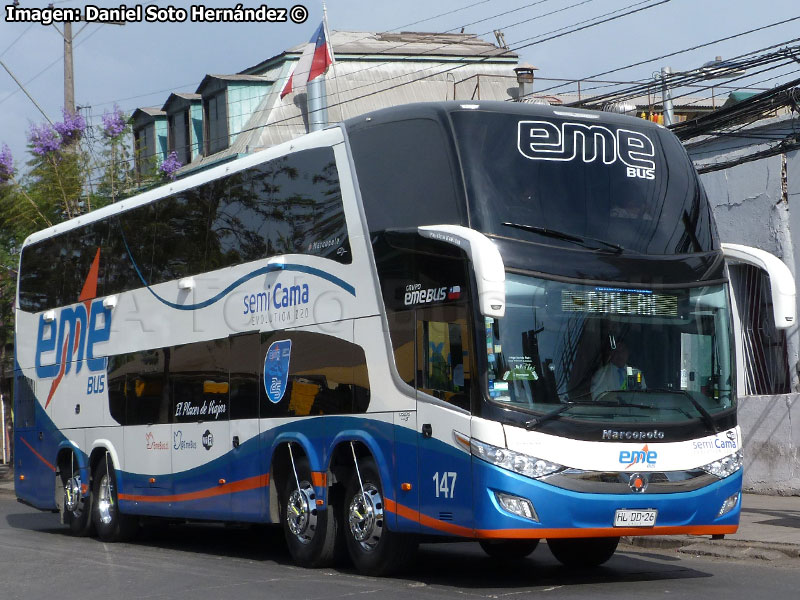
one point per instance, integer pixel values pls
(492, 321)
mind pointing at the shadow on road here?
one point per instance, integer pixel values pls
(461, 565)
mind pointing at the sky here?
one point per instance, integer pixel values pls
(140, 63)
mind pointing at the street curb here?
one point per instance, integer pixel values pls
(727, 548)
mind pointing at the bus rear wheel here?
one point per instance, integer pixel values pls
(509, 549)
(111, 525)
(373, 548)
(310, 531)
(76, 507)
(583, 552)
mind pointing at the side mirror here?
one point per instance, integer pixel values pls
(781, 281)
(487, 264)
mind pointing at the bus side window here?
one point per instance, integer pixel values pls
(199, 380)
(326, 376)
(443, 359)
(146, 388)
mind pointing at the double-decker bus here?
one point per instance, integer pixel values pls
(493, 321)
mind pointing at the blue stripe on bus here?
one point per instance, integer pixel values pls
(262, 271)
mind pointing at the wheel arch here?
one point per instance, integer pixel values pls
(99, 449)
(279, 465)
(365, 446)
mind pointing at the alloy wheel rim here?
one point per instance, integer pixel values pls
(72, 494)
(365, 517)
(301, 513)
(105, 501)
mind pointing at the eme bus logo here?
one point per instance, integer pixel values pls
(543, 140)
(645, 456)
(72, 336)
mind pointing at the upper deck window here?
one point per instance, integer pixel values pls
(406, 173)
(289, 205)
(627, 185)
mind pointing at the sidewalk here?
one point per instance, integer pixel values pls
(769, 529)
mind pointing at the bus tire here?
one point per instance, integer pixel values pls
(583, 552)
(509, 549)
(77, 507)
(310, 531)
(110, 524)
(373, 548)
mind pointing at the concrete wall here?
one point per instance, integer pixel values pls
(771, 431)
(750, 208)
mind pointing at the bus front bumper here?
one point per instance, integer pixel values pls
(561, 513)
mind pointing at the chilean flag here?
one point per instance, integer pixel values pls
(314, 61)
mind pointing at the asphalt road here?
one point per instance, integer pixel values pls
(40, 560)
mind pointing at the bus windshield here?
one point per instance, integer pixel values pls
(611, 354)
(551, 179)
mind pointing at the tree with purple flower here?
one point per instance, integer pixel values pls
(44, 139)
(169, 168)
(71, 128)
(6, 164)
(115, 123)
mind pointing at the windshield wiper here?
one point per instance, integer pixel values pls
(567, 237)
(706, 416)
(535, 422)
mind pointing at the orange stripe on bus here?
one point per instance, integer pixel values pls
(39, 456)
(413, 515)
(570, 532)
(243, 485)
(319, 479)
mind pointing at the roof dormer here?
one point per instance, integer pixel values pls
(228, 102)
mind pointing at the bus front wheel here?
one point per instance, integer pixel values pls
(310, 531)
(583, 552)
(111, 525)
(374, 549)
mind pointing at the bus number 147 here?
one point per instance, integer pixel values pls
(445, 484)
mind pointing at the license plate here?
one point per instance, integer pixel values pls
(635, 518)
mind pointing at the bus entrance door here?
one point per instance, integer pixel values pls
(443, 370)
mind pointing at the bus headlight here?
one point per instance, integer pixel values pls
(526, 465)
(725, 467)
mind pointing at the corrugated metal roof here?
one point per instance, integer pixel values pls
(411, 43)
(358, 88)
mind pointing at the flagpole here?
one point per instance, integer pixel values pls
(333, 60)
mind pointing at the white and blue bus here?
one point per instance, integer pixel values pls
(492, 321)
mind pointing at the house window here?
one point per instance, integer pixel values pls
(144, 148)
(215, 114)
(179, 138)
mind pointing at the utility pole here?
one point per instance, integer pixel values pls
(69, 74)
(666, 97)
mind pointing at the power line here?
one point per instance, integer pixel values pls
(682, 51)
(18, 38)
(698, 75)
(52, 64)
